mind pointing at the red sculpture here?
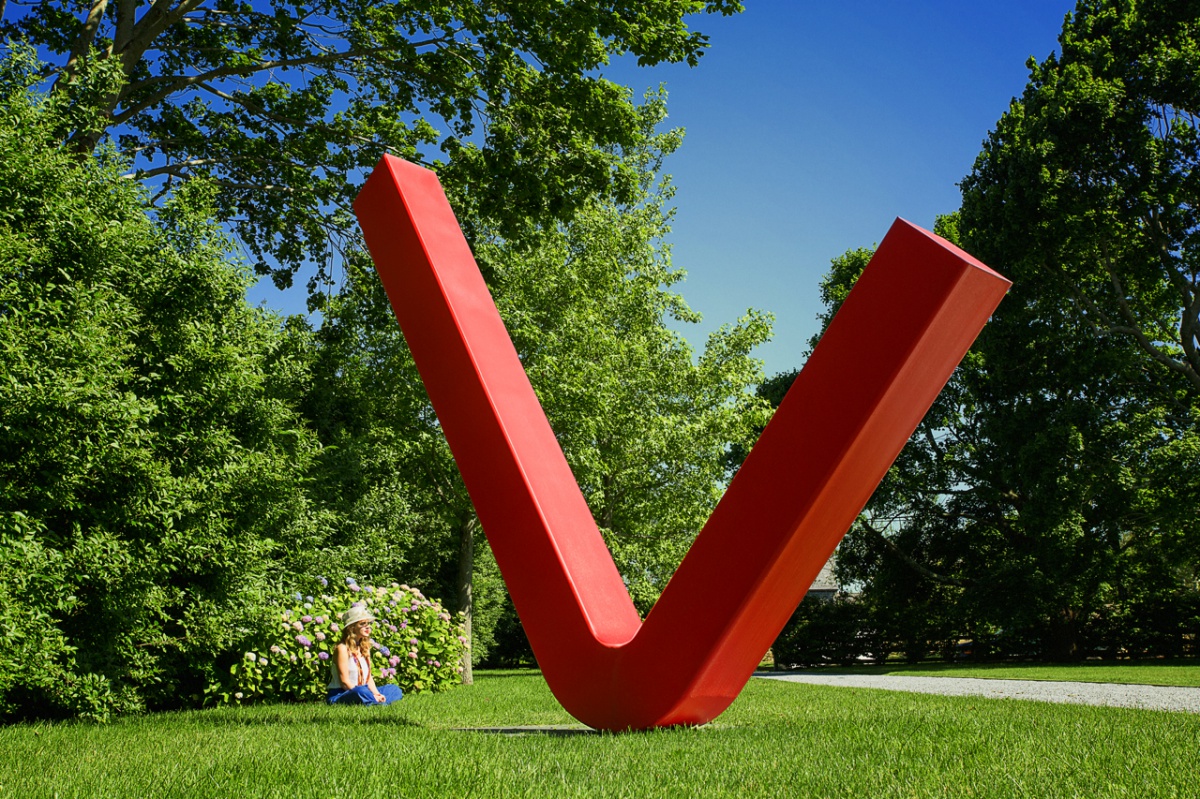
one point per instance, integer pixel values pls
(892, 346)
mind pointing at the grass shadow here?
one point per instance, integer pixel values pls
(547, 730)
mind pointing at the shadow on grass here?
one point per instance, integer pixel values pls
(548, 730)
(487, 675)
(293, 715)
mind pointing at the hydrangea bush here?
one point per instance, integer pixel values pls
(417, 644)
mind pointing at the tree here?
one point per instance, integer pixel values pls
(1047, 504)
(150, 458)
(1088, 184)
(385, 481)
(588, 304)
(285, 103)
(645, 427)
(1096, 169)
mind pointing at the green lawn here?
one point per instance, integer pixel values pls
(1152, 672)
(778, 739)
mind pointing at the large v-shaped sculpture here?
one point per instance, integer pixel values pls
(897, 338)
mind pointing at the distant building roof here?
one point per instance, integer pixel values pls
(825, 581)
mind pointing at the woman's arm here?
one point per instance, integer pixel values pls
(371, 680)
(342, 655)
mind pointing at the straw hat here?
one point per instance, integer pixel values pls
(356, 614)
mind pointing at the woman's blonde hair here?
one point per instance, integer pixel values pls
(354, 641)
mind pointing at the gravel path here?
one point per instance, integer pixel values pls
(1147, 697)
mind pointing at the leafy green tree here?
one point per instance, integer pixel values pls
(1047, 505)
(150, 458)
(1087, 187)
(588, 303)
(385, 482)
(1086, 195)
(645, 426)
(285, 103)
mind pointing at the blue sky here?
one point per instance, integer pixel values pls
(811, 126)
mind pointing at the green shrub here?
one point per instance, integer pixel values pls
(826, 632)
(418, 645)
(151, 464)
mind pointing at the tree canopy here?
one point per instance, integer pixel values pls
(1088, 185)
(151, 459)
(590, 307)
(284, 104)
(645, 425)
(1047, 505)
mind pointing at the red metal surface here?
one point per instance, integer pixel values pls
(908, 322)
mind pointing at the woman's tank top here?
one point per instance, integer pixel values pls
(357, 676)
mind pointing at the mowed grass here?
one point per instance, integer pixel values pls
(1152, 672)
(778, 739)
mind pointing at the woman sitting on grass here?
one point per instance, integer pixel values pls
(351, 680)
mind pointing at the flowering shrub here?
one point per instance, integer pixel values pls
(417, 644)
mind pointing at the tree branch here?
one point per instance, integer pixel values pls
(125, 16)
(148, 28)
(1139, 335)
(1154, 229)
(178, 167)
(1189, 332)
(228, 184)
(82, 43)
(265, 114)
(181, 82)
(908, 560)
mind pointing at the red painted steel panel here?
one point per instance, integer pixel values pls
(909, 320)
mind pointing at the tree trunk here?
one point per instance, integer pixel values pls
(1063, 645)
(466, 600)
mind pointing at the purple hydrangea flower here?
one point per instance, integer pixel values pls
(303, 641)
(306, 619)
(351, 581)
(393, 660)
(412, 641)
(322, 581)
(323, 655)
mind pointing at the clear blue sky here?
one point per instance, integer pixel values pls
(811, 126)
